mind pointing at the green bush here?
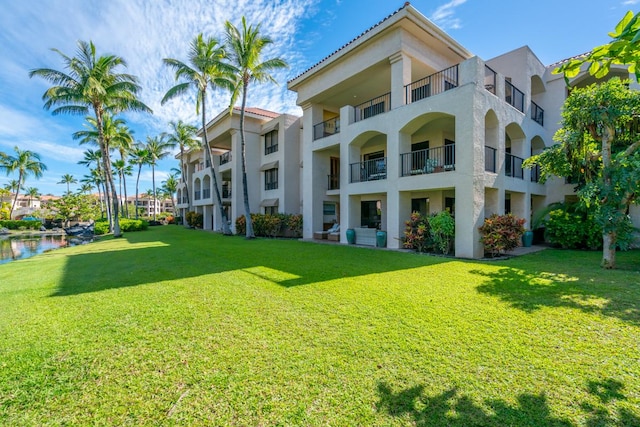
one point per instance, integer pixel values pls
(417, 233)
(266, 225)
(101, 227)
(20, 225)
(443, 230)
(294, 224)
(195, 219)
(501, 233)
(126, 225)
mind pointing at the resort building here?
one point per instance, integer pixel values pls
(403, 118)
(273, 167)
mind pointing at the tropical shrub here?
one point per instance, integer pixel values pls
(294, 224)
(19, 224)
(195, 219)
(126, 225)
(266, 225)
(417, 233)
(241, 225)
(443, 229)
(501, 233)
(101, 227)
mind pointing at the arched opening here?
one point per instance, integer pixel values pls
(427, 145)
(368, 157)
(491, 136)
(515, 151)
(206, 187)
(197, 191)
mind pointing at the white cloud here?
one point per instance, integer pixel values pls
(630, 2)
(444, 15)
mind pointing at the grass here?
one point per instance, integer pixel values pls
(180, 327)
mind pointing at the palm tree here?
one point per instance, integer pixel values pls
(158, 148)
(95, 177)
(183, 136)
(24, 162)
(68, 179)
(85, 188)
(245, 46)
(170, 186)
(207, 69)
(123, 141)
(32, 193)
(92, 83)
(123, 170)
(139, 156)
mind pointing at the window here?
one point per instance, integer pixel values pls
(328, 209)
(271, 142)
(271, 210)
(271, 179)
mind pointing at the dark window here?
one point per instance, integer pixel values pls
(270, 210)
(271, 179)
(271, 142)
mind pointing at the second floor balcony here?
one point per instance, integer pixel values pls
(333, 182)
(373, 107)
(513, 166)
(369, 170)
(537, 113)
(430, 160)
(225, 158)
(326, 128)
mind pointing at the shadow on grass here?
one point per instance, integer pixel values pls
(451, 408)
(610, 293)
(173, 253)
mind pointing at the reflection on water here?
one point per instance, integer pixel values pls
(20, 247)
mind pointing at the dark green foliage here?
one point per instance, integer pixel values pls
(266, 225)
(501, 233)
(443, 231)
(17, 224)
(417, 233)
(126, 224)
(195, 219)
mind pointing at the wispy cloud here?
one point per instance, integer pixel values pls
(630, 2)
(444, 15)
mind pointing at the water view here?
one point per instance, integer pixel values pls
(15, 247)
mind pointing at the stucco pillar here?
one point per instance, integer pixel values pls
(398, 208)
(521, 207)
(237, 202)
(313, 186)
(400, 77)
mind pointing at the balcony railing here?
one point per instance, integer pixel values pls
(369, 170)
(185, 199)
(373, 107)
(225, 158)
(537, 113)
(489, 159)
(226, 192)
(430, 160)
(431, 85)
(513, 95)
(206, 193)
(270, 149)
(513, 166)
(334, 182)
(326, 128)
(489, 79)
(196, 195)
(535, 173)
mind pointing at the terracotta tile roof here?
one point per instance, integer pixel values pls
(351, 42)
(259, 112)
(556, 64)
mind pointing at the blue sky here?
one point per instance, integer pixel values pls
(304, 31)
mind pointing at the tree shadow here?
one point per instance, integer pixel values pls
(151, 257)
(530, 290)
(451, 408)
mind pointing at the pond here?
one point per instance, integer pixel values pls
(14, 247)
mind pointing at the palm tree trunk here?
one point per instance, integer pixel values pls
(153, 184)
(106, 161)
(126, 205)
(245, 189)
(608, 237)
(15, 198)
(186, 187)
(225, 224)
(137, 186)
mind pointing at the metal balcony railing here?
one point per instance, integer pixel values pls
(513, 166)
(225, 158)
(270, 149)
(430, 160)
(434, 84)
(489, 79)
(326, 128)
(369, 170)
(226, 192)
(373, 107)
(196, 195)
(206, 193)
(489, 159)
(535, 173)
(333, 182)
(513, 96)
(537, 113)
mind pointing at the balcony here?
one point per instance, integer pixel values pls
(333, 182)
(373, 107)
(489, 79)
(225, 158)
(430, 160)
(226, 192)
(535, 173)
(196, 195)
(513, 96)
(537, 113)
(270, 149)
(489, 159)
(369, 170)
(513, 166)
(206, 193)
(434, 84)
(326, 128)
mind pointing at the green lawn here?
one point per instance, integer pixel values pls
(182, 327)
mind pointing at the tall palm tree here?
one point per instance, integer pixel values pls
(32, 193)
(123, 141)
(85, 188)
(123, 170)
(95, 176)
(68, 179)
(139, 156)
(244, 46)
(183, 136)
(96, 179)
(24, 162)
(158, 148)
(91, 83)
(170, 186)
(207, 69)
